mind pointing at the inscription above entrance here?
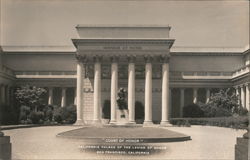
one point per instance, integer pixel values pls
(122, 47)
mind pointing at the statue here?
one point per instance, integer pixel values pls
(121, 101)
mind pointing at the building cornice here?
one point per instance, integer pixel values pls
(167, 41)
(205, 54)
(175, 51)
(39, 49)
(122, 26)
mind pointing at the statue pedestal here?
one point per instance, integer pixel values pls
(122, 117)
(242, 147)
(5, 148)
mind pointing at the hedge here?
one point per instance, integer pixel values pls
(239, 122)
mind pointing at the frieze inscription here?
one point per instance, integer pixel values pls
(122, 47)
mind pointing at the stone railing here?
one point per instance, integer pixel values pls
(45, 74)
(174, 74)
(206, 75)
(241, 71)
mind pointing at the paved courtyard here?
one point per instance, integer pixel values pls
(42, 143)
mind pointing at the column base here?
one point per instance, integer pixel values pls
(148, 124)
(165, 124)
(132, 122)
(112, 122)
(79, 122)
(97, 122)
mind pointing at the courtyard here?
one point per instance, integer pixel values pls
(41, 143)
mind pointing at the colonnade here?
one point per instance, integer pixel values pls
(6, 91)
(63, 96)
(243, 92)
(194, 96)
(131, 89)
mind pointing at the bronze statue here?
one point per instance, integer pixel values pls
(121, 101)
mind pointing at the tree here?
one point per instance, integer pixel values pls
(30, 96)
(223, 103)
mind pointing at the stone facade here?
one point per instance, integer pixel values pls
(191, 75)
(183, 78)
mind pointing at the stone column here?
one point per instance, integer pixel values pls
(50, 99)
(11, 96)
(170, 103)
(97, 90)
(195, 95)
(165, 92)
(114, 88)
(242, 96)
(148, 92)
(63, 101)
(207, 95)
(2, 93)
(182, 99)
(247, 97)
(237, 93)
(7, 98)
(75, 98)
(79, 89)
(131, 89)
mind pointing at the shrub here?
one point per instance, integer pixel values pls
(24, 113)
(192, 110)
(57, 115)
(214, 111)
(242, 111)
(223, 103)
(65, 115)
(237, 122)
(48, 113)
(106, 109)
(37, 117)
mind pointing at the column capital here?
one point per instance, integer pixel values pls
(241, 85)
(148, 58)
(131, 58)
(182, 89)
(236, 87)
(97, 58)
(164, 58)
(114, 58)
(81, 59)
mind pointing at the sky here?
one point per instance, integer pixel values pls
(196, 23)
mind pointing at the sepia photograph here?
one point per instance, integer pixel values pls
(124, 79)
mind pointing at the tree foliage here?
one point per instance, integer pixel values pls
(222, 103)
(192, 110)
(30, 96)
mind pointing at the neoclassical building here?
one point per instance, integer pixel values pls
(142, 58)
(137, 58)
